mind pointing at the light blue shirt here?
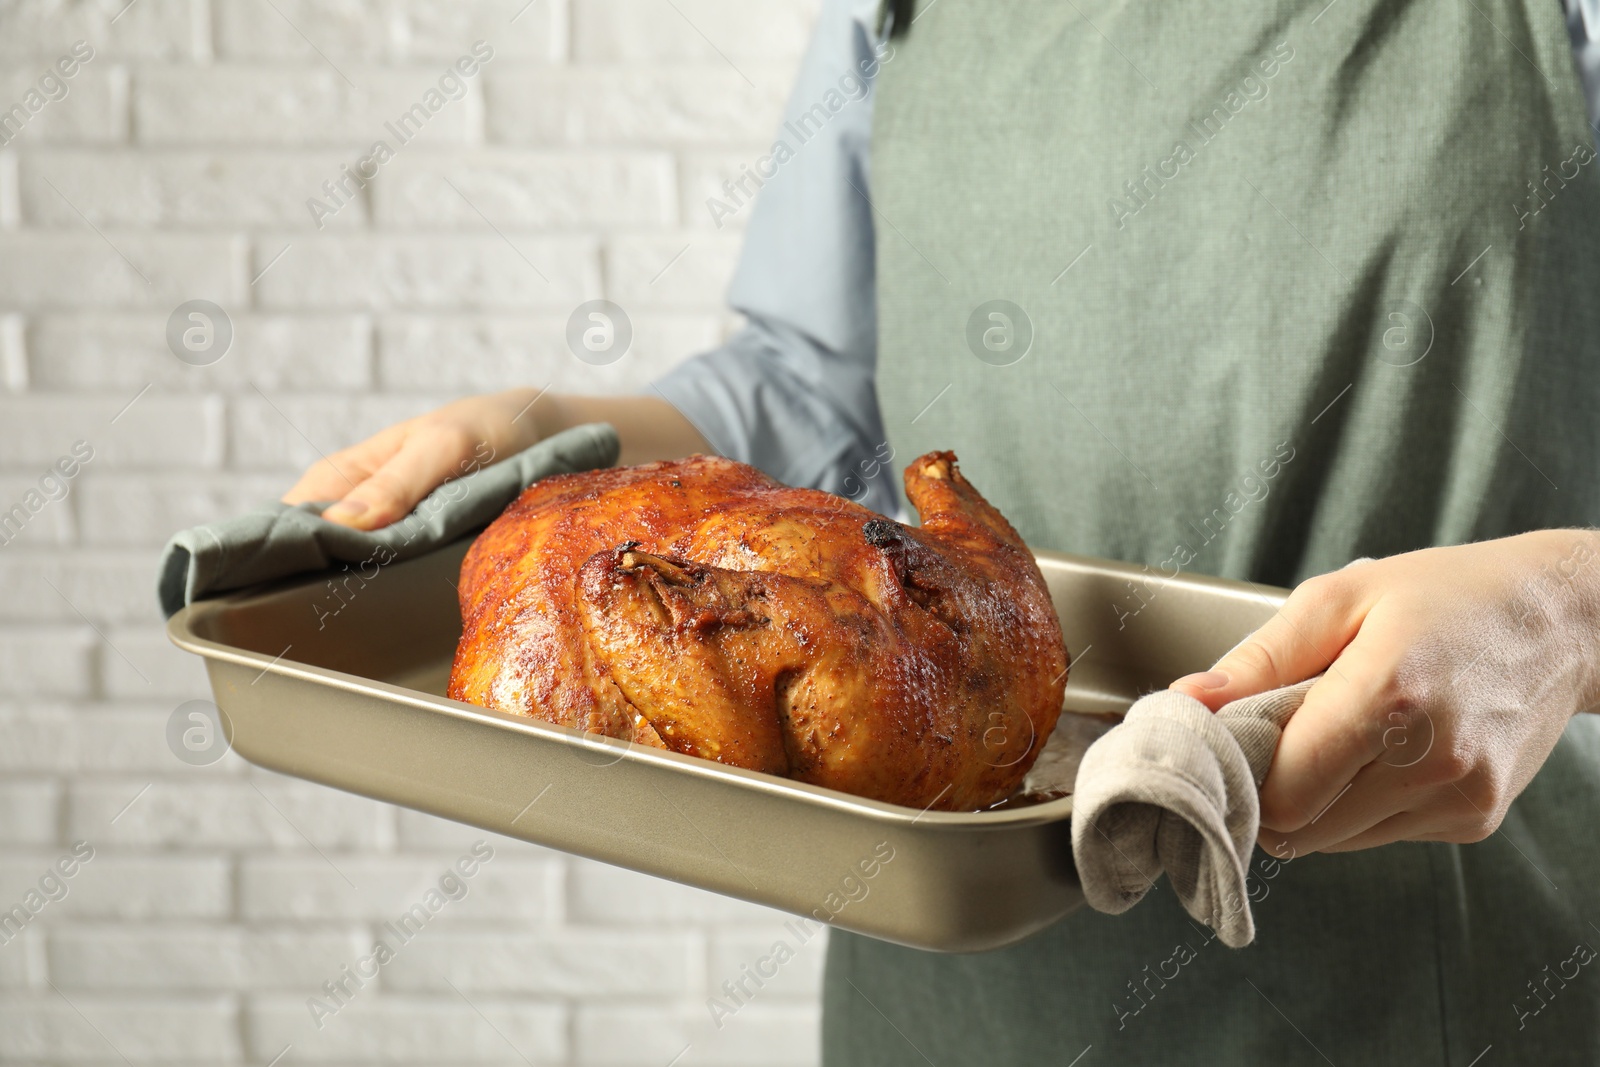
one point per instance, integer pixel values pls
(793, 392)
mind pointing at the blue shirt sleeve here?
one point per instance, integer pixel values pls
(792, 392)
(1583, 27)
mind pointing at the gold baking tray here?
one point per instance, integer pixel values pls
(354, 700)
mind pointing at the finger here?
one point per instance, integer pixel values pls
(1333, 737)
(427, 459)
(331, 477)
(328, 478)
(1314, 625)
(1366, 802)
(1432, 819)
(1276, 845)
(1401, 826)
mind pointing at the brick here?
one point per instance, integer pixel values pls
(703, 175)
(612, 896)
(492, 354)
(420, 832)
(519, 32)
(512, 271)
(13, 353)
(53, 586)
(149, 430)
(201, 958)
(39, 737)
(124, 886)
(278, 888)
(516, 189)
(36, 736)
(756, 1033)
(368, 30)
(633, 107)
(22, 960)
(268, 351)
(311, 104)
(146, 510)
(299, 30)
(126, 738)
(140, 663)
(150, 29)
(567, 964)
(181, 189)
(28, 809)
(90, 112)
(736, 953)
(691, 30)
(677, 271)
(52, 524)
(260, 813)
(47, 660)
(141, 1030)
(288, 431)
(81, 269)
(387, 1029)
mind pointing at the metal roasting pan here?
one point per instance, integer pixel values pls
(358, 705)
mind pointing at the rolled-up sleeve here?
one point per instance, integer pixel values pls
(1583, 26)
(792, 392)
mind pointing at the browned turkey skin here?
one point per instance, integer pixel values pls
(702, 607)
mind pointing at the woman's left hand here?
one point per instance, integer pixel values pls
(1451, 673)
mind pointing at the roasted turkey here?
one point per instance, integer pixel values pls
(702, 607)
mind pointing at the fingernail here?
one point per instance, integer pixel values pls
(1204, 680)
(348, 507)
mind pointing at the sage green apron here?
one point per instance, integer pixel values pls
(1252, 289)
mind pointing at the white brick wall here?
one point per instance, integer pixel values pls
(178, 167)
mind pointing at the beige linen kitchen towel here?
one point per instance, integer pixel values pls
(1174, 788)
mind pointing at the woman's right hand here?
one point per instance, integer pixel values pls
(380, 480)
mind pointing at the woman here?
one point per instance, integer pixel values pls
(1249, 290)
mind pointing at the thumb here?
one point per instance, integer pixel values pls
(425, 459)
(1307, 634)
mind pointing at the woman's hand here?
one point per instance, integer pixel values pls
(1451, 673)
(381, 479)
